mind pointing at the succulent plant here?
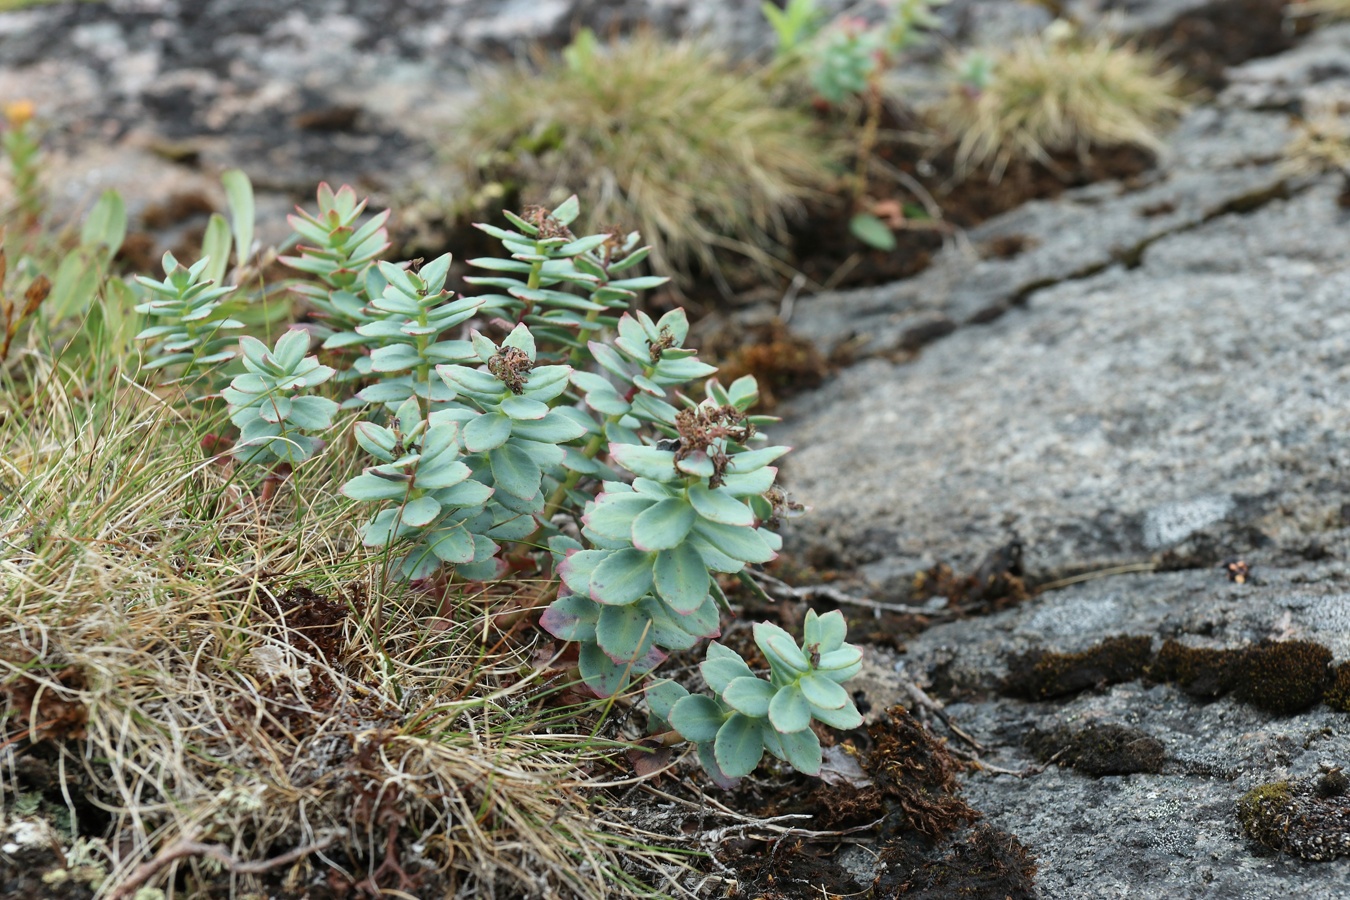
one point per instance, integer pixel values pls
(193, 314)
(748, 714)
(268, 403)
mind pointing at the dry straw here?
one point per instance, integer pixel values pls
(230, 695)
(1057, 93)
(661, 137)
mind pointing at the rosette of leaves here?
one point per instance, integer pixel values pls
(543, 257)
(340, 253)
(436, 508)
(645, 585)
(408, 318)
(268, 405)
(749, 714)
(192, 312)
(645, 360)
(507, 427)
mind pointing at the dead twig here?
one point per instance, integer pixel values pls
(785, 591)
(185, 847)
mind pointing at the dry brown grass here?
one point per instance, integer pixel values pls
(236, 703)
(1320, 144)
(1058, 93)
(661, 137)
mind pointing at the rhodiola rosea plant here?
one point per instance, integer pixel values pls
(549, 423)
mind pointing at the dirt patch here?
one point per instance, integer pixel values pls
(1206, 41)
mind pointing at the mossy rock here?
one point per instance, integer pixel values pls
(1101, 748)
(1283, 676)
(1043, 675)
(1309, 818)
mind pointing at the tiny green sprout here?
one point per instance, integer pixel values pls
(268, 404)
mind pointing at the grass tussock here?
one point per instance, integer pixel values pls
(1320, 144)
(661, 137)
(1327, 10)
(229, 701)
(1056, 93)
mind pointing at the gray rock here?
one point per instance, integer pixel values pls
(1173, 834)
(1162, 371)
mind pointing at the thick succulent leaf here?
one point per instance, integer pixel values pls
(613, 514)
(419, 563)
(681, 579)
(749, 695)
(372, 487)
(465, 495)
(514, 472)
(739, 745)
(647, 462)
(708, 757)
(801, 750)
(486, 432)
(789, 711)
(436, 475)
(554, 428)
(827, 632)
(624, 633)
(751, 484)
(721, 665)
(576, 569)
(452, 543)
(665, 633)
(704, 622)
(663, 525)
(523, 408)
(376, 440)
(696, 717)
(312, 413)
(745, 544)
(624, 577)
(717, 505)
(822, 693)
(845, 719)
(661, 699)
(751, 460)
(420, 512)
(780, 649)
(600, 673)
(832, 664)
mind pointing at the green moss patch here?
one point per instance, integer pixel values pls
(1309, 818)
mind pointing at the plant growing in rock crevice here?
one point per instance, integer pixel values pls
(504, 423)
(1057, 92)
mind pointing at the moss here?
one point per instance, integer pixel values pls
(1100, 749)
(1337, 694)
(1300, 818)
(984, 863)
(1199, 671)
(1041, 675)
(1283, 676)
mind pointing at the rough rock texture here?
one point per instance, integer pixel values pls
(155, 97)
(1163, 378)
(1165, 365)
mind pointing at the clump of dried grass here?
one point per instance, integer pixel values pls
(663, 137)
(1053, 93)
(1328, 10)
(1321, 144)
(248, 705)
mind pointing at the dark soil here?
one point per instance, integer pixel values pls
(1206, 41)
